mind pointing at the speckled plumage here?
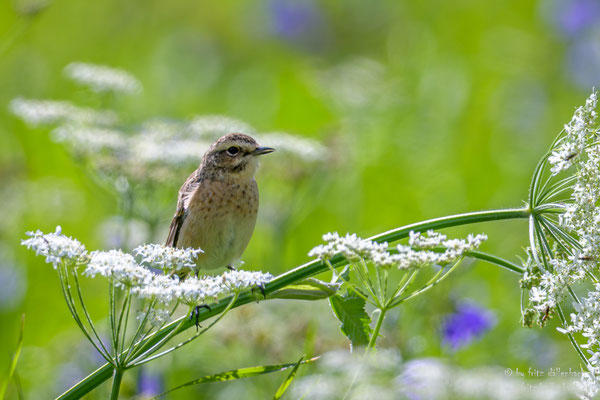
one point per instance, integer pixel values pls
(218, 203)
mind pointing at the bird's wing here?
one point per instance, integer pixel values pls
(185, 193)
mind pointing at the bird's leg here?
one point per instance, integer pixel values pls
(260, 287)
(196, 313)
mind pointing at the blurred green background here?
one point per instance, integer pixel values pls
(426, 109)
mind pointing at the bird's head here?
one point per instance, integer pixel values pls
(234, 155)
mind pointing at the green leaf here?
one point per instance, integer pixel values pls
(15, 359)
(238, 374)
(350, 311)
(287, 381)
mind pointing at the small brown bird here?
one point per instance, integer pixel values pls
(218, 203)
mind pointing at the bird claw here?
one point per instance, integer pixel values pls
(260, 287)
(231, 267)
(196, 313)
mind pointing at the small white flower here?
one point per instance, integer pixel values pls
(306, 149)
(429, 241)
(214, 126)
(578, 131)
(120, 266)
(167, 258)
(56, 247)
(100, 78)
(156, 317)
(240, 279)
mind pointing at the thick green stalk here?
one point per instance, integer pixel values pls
(116, 384)
(293, 276)
(453, 220)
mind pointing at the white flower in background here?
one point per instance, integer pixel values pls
(89, 139)
(167, 258)
(100, 78)
(383, 375)
(211, 127)
(46, 112)
(306, 149)
(56, 247)
(118, 265)
(354, 83)
(413, 255)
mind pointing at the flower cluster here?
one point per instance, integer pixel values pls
(48, 112)
(578, 132)
(420, 251)
(572, 251)
(141, 280)
(167, 258)
(120, 266)
(586, 320)
(56, 247)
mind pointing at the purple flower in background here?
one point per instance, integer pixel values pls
(466, 324)
(301, 23)
(293, 19)
(574, 16)
(150, 384)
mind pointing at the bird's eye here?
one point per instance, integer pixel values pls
(232, 151)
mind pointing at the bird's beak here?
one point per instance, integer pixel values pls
(262, 150)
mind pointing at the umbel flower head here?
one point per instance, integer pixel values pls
(56, 247)
(565, 237)
(418, 253)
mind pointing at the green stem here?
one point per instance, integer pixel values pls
(297, 274)
(496, 261)
(116, 384)
(453, 220)
(378, 324)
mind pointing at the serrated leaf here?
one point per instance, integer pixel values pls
(350, 311)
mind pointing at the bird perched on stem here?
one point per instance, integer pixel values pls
(218, 203)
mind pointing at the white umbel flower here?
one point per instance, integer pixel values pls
(120, 266)
(56, 247)
(239, 279)
(167, 258)
(416, 254)
(578, 131)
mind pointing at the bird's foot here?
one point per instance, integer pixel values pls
(260, 287)
(196, 313)
(231, 267)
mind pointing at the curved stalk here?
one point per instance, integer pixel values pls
(297, 274)
(378, 324)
